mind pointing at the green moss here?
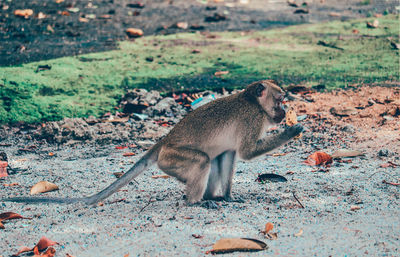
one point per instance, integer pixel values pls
(93, 84)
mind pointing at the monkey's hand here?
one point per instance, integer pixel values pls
(292, 131)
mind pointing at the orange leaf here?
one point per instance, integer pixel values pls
(318, 158)
(219, 73)
(160, 176)
(49, 252)
(128, 154)
(121, 147)
(268, 227)
(11, 185)
(44, 242)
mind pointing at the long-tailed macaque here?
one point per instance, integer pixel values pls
(201, 149)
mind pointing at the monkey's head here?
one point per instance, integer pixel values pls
(270, 97)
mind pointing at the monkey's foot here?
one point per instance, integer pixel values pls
(210, 204)
(234, 200)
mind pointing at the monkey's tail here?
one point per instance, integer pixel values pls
(144, 163)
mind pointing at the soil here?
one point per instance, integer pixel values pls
(70, 27)
(349, 208)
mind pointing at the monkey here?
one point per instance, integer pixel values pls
(201, 150)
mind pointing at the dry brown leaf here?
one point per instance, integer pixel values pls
(9, 216)
(126, 255)
(220, 73)
(271, 235)
(334, 14)
(118, 174)
(134, 32)
(268, 227)
(128, 154)
(160, 176)
(318, 158)
(391, 183)
(182, 25)
(51, 252)
(226, 245)
(43, 243)
(299, 233)
(42, 187)
(346, 153)
(373, 25)
(23, 13)
(11, 185)
(355, 207)
(3, 169)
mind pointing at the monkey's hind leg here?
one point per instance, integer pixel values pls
(188, 165)
(219, 184)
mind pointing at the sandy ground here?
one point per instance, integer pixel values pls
(150, 218)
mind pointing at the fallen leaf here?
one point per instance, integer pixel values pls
(82, 19)
(346, 153)
(355, 207)
(126, 255)
(219, 73)
(299, 233)
(389, 164)
(11, 185)
(51, 154)
(268, 227)
(41, 245)
(118, 174)
(42, 187)
(270, 177)
(355, 31)
(373, 25)
(182, 25)
(23, 13)
(3, 169)
(69, 255)
(334, 14)
(50, 252)
(128, 154)
(9, 216)
(197, 236)
(121, 147)
(226, 245)
(133, 32)
(160, 176)
(318, 158)
(391, 183)
(41, 15)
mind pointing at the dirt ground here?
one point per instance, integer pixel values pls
(349, 207)
(71, 27)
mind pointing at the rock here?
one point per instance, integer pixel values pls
(342, 111)
(166, 107)
(136, 100)
(384, 153)
(349, 128)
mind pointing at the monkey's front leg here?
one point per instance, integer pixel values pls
(248, 151)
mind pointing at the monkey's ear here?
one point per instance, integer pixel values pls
(259, 90)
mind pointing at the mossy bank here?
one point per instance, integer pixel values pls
(333, 54)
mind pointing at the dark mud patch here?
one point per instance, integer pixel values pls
(62, 32)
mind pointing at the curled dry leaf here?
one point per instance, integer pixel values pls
(373, 25)
(299, 233)
(121, 147)
(51, 252)
(42, 187)
(3, 169)
(23, 13)
(128, 154)
(346, 153)
(268, 227)
(43, 243)
(9, 216)
(160, 176)
(227, 245)
(318, 158)
(291, 119)
(355, 207)
(134, 32)
(220, 73)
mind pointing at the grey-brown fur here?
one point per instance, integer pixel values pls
(201, 149)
